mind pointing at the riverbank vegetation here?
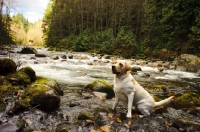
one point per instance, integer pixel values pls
(17, 29)
(123, 27)
(119, 27)
(26, 33)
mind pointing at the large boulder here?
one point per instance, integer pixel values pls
(41, 96)
(49, 82)
(28, 50)
(7, 66)
(30, 72)
(19, 78)
(7, 89)
(101, 86)
(188, 62)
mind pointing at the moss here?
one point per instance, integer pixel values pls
(39, 97)
(160, 87)
(7, 66)
(187, 100)
(156, 98)
(85, 116)
(21, 105)
(49, 82)
(36, 90)
(2, 104)
(9, 89)
(30, 72)
(101, 86)
(19, 78)
(92, 85)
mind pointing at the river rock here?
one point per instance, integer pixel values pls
(101, 86)
(135, 69)
(7, 66)
(186, 125)
(14, 125)
(41, 55)
(188, 62)
(55, 57)
(3, 52)
(70, 56)
(28, 50)
(19, 78)
(49, 82)
(64, 57)
(187, 101)
(41, 96)
(30, 72)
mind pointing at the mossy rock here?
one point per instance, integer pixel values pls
(40, 55)
(135, 69)
(62, 127)
(21, 105)
(85, 116)
(187, 100)
(43, 97)
(93, 116)
(185, 123)
(30, 72)
(19, 78)
(8, 89)
(2, 104)
(28, 50)
(7, 66)
(101, 86)
(49, 82)
(158, 88)
(21, 123)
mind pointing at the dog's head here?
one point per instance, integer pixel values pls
(120, 67)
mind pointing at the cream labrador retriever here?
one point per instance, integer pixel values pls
(128, 90)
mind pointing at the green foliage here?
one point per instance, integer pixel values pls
(123, 28)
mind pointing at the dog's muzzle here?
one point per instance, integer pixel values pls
(114, 71)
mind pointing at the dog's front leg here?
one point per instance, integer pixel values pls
(115, 103)
(130, 104)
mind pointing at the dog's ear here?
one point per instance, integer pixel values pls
(128, 67)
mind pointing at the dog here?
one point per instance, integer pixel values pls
(128, 90)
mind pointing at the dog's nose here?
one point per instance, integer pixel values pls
(113, 67)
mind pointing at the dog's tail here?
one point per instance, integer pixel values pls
(162, 102)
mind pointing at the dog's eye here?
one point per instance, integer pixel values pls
(120, 64)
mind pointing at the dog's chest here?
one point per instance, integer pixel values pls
(120, 92)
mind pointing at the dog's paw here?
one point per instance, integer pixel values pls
(129, 115)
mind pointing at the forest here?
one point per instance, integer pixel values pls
(118, 27)
(16, 29)
(124, 27)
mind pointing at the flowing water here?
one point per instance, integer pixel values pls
(78, 71)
